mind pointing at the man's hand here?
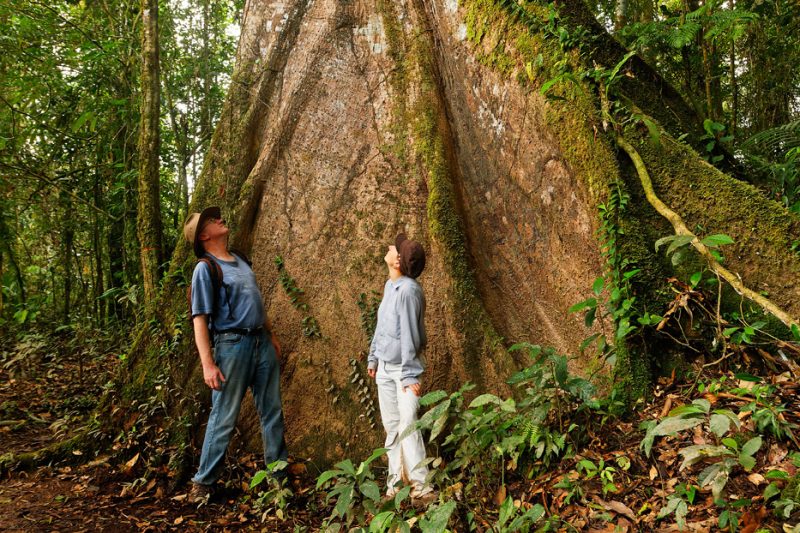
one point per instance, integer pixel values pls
(371, 372)
(213, 376)
(415, 388)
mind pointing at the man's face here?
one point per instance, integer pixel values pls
(214, 227)
(392, 258)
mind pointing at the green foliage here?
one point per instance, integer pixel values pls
(296, 297)
(619, 305)
(358, 497)
(733, 450)
(490, 436)
(677, 504)
(600, 470)
(274, 495)
(364, 391)
(369, 311)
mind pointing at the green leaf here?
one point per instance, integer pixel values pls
(653, 132)
(343, 502)
(698, 452)
(370, 490)
(752, 446)
(346, 466)
(484, 399)
(719, 425)
(375, 454)
(506, 511)
(259, 476)
(730, 443)
(695, 278)
(664, 240)
(432, 397)
(687, 410)
(381, 522)
(436, 519)
(86, 115)
(560, 370)
(715, 475)
(747, 462)
(402, 495)
(703, 404)
(679, 241)
(713, 241)
(671, 425)
(796, 332)
(590, 302)
(613, 75)
(777, 474)
(597, 286)
(771, 491)
(327, 476)
(630, 273)
(730, 331)
(591, 314)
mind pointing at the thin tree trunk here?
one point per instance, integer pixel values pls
(620, 15)
(97, 245)
(149, 213)
(69, 235)
(734, 93)
(205, 116)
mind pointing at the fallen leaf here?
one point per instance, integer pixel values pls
(178, 521)
(500, 495)
(756, 479)
(776, 454)
(653, 472)
(751, 520)
(129, 464)
(617, 507)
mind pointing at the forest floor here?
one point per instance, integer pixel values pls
(43, 399)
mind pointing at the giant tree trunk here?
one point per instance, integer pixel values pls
(348, 122)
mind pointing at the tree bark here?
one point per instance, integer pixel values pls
(149, 229)
(347, 123)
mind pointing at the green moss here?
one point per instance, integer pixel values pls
(430, 134)
(398, 79)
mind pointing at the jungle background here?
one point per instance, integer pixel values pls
(591, 368)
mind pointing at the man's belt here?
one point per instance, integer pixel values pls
(242, 331)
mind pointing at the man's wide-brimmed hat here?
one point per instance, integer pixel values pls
(412, 256)
(194, 225)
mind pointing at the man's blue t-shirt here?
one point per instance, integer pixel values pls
(239, 299)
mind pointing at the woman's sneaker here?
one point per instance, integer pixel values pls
(423, 495)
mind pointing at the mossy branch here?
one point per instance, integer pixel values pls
(681, 229)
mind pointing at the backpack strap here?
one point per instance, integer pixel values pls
(215, 273)
(242, 256)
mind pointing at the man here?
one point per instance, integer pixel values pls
(395, 365)
(245, 350)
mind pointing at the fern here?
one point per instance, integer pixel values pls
(684, 34)
(729, 24)
(774, 141)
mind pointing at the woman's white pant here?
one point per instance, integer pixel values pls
(398, 412)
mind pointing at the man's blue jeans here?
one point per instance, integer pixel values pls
(245, 361)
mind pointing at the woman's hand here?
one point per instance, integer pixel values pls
(415, 388)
